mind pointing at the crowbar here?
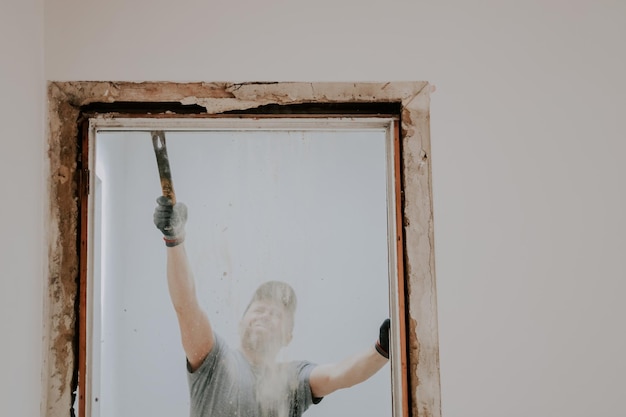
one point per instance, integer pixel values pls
(163, 162)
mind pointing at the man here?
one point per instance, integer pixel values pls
(248, 382)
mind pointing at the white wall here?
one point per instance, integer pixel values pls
(21, 209)
(528, 141)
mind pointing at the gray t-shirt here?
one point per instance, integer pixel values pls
(227, 385)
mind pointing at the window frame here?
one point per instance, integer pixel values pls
(73, 104)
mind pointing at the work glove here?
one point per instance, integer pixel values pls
(170, 219)
(382, 344)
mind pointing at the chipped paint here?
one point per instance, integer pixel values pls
(64, 102)
(60, 325)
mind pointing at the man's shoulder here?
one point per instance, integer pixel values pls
(218, 355)
(298, 366)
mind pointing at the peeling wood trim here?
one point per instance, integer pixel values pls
(60, 320)
(65, 101)
(419, 235)
(221, 97)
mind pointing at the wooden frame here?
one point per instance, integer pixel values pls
(72, 103)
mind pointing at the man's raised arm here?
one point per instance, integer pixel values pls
(328, 378)
(195, 328)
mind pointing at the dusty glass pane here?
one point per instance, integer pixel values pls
(305, 207)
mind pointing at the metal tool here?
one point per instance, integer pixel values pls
(163, 162)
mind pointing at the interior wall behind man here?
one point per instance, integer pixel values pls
(527, 147)
(22, 106)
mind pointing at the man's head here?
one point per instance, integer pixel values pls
(267, 323)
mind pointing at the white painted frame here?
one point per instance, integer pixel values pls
(99, 124)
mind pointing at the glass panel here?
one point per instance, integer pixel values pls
(308, 207)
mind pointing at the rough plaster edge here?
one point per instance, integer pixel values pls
(420, 265)
(65, 98)
(45, 272)
(61, 227)
(220, 97)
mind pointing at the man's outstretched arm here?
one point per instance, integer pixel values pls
(328, 378)
(195, 328)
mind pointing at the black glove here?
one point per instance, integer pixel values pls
(170, 220)
(382, 344)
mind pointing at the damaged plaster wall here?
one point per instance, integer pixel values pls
(65, 100)
(527, 158)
